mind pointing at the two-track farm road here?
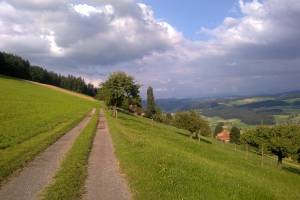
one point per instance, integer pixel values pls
(28, 184)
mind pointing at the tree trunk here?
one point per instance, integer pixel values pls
(279, 161)
(262, 155)
(115, 111)
(247, 151)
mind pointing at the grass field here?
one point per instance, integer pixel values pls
(162, 163)
(31, 118)
(68, 182)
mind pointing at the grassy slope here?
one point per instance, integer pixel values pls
(31, 118)
(69, 181)
(161, 163)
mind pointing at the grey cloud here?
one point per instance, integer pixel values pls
(104, 38)
(37, 4)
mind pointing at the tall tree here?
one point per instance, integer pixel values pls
(151, 106)
(235, 135)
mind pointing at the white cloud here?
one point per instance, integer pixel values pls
(252, 8)
(88, 10)
(256, 52)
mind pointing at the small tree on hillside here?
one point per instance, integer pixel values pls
(192, 122)
(235, 135)
(219, 128)
(120, 88)
(281, 141)
(151, 107)
(284, 141)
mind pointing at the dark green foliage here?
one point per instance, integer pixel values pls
(151, 106)
(120, 90)
(235, 135)
(219, 128)
(192, 122)
(15, 66)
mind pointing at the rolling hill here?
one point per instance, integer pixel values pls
(161, 162)
(32, 117)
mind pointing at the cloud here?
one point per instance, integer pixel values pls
(257, 52)
(103, 34)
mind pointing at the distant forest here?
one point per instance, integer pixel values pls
(15, 66)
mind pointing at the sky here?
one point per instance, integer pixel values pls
(190, 15)
(183, 49)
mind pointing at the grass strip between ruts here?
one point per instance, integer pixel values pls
(69, 181)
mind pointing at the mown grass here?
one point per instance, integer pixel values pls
(69, 180)
(31, 118)
(162, 163)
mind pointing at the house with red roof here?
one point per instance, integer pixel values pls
(224, 136)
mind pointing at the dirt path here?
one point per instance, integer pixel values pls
(104, 180)
(28, 184)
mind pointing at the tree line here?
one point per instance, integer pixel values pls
(15, 66)
(121, 91)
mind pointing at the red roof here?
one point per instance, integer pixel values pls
(223, 136)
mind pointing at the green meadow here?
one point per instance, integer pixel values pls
(161, 162)
(32, 117)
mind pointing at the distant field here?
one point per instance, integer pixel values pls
(239, 102)
(31, 118)
(213, 121)
(162, 163)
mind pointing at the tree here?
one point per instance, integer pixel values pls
(284, 141)
(192, 122)
(281, 141)
(235, 135)
(219, 128)
(120, 88)
(151, 106)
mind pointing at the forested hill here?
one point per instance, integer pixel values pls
(15, 66)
